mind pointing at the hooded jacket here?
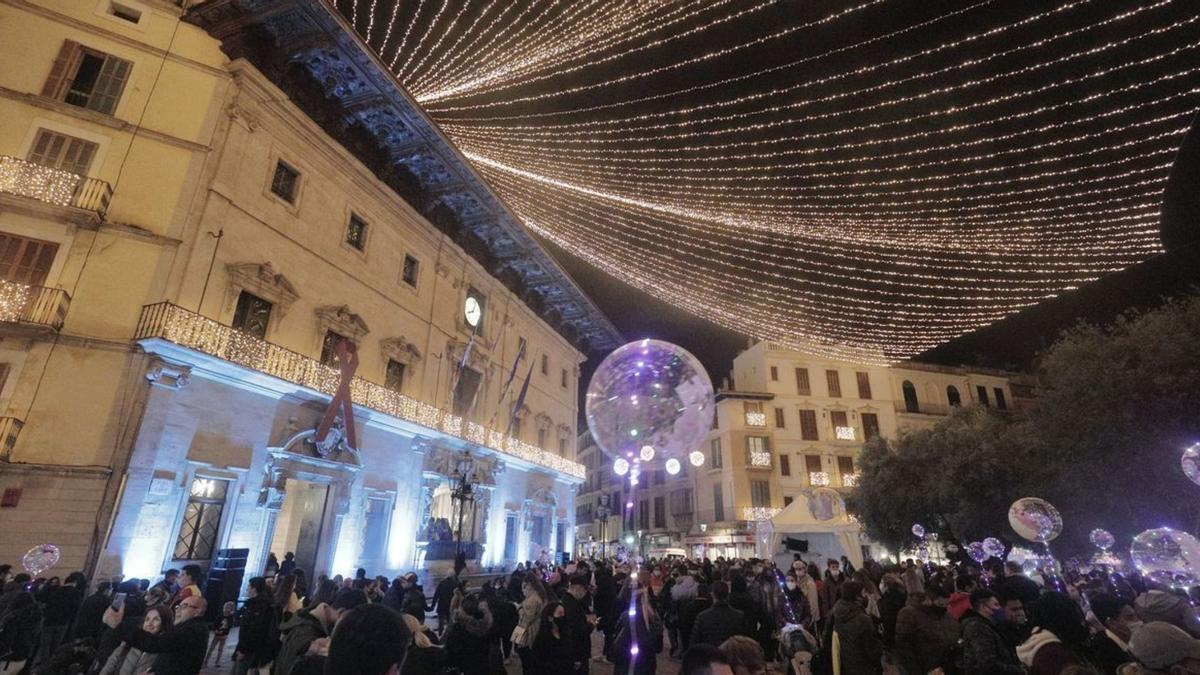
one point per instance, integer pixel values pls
(861, 647)
(1159, 605)
(467, 642)
(297, 633)
(1044, 654)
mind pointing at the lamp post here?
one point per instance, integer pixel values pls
(602, 514)
(462, 497)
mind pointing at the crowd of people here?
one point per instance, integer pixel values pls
(743, 616)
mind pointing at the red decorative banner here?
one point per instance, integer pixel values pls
(347, 354)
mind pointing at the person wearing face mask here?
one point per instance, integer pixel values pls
(581, 622)
(984, 650)
(1110, 647)
(529, 620)
(1014, 625)
(552, 649)
(808, 586)
(858, 645)
(925, 632)
(794, 595)
(1059, 636)
(893, 599)
(832, 584)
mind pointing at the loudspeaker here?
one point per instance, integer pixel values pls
(800, 545)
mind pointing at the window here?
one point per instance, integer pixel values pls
(953, 397)
(562, 447)
(124, 12)
(785, 465)
(356, 232)
(329, 348)
(375, 522)
(393, 376)
(834, 382)
(285, 182)
(870, 423)
(760, 493)
(644, 514)
(802, 386)
(660, 477)
(60, 151)
(660, 512)
(910, 397)
(253, 315)
(541, 442)
(201, 520)
(842, 430)
(537, 533)
(983, 396)
(25, 260)
(755, 417)
(808, 425)
(411, 270)
(816, 474)
(864, 384)
(774, 374)
(510, 536)
(87, 78)
(845, 468)
(1001, 402)
(780, 419)
(563, 379)
(464, 398)
(714, 454)
(545, 364)
(758, 452)
(718, 503)
(787, 501)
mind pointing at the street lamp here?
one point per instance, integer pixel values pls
(602, 513)
(462, 497)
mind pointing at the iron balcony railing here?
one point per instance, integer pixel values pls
(10, 428)
(193, 331)
(38, 305)
(53, 186)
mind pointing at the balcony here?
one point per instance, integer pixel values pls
(33, 305)
(187, 329)
(10, 427)
(925, 408)
(53, 186)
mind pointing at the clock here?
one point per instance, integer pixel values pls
(472, 312)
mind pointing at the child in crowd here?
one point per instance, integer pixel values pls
(220, 633)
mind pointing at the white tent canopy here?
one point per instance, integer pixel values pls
(820, 518)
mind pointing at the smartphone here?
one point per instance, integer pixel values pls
(118, 601)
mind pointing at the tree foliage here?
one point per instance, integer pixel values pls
(1117, 406)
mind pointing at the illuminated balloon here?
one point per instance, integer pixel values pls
(673, 466)
(620, 466)
(696, 458)
(40, 558)
(976, 551)
(923, 553)
(1101, 539)
(993, 547)
(918, 531)
(1035, 519)
(825, 504)
(1191, 463)
(1167, 556)
(650, 394)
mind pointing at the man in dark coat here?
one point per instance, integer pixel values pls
(179, 650)
(861, 647)
(580, 622)
(925, 631)
(984, 650)
(1110, 650)
(720, 622)
(443, 595)
(688, 612)
(301, 630)
(89, 620)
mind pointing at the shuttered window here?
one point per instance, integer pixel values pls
(864, 384)
(803, 388)
(834, 382)
(808, 425)
(87, 78)
(60, 151)
(24, 260)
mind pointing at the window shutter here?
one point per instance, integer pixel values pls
(109, 85)
(64, 66)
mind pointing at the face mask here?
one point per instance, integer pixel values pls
(560, 621)
(999, 615)
(791, 585)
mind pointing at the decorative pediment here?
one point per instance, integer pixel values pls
(262, 280)
(544, 497)
(543, 422)
(476, 360)
(342, 321)
(481, 470)
(399, 349)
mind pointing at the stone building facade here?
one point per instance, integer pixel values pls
(207, 230)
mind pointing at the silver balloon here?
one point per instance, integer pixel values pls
(993, 547)
(40, 558)
(1191, 463)
(976, 551)
(1102, 539)
(1035, 519)
(650, 395)
(1167, 556)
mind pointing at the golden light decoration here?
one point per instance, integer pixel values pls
(865, 198)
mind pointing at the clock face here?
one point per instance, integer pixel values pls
(473, 312)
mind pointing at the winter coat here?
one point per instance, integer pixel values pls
(984, 651)
(424, 660)
(801, 612)
(685, 588)
(90, 617)
(757, 624)
(296, 634)
(924, 637)
(259, 626)
(1162, 606)
(717, 624)
(553, 654)
(110, 640)
(1044, 654)
(861, 648)
(890, 604)
(529, 617)
(648, 634)
(467, 642)
(414, 603)
(578, 629)
(1107, 655)
(808, 587)
(20, 626)
(687, 618)
(61, 605)
(128, 661)
(914, 580)
(443, 594)
(178, 650)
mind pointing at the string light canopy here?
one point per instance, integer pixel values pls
(860, 179)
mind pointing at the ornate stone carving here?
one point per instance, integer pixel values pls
(168, 375)
(239, 114)
(342, 321)
(476, 360)
(399, 349)
(543, 422)
(262, 280)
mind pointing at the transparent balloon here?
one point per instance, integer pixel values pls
(1167, 556)
(976, 551)
(1191, 463)
(650, 395)
(1035, 519)
(918, 531)
(1102, 539)
(40, 558)
(993, 547)
(825, 504)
